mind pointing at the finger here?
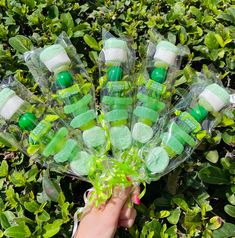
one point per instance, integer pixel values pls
(128, 222)
(125, 213)
(135, 196)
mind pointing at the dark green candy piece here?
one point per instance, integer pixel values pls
(27, 121)
(64, 79)
(115, 73)
(199, 113)
(158, 75)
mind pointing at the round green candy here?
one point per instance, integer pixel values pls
(27, 121)
(115, 73)
(199, 113)
(158, 75)
(64, 79)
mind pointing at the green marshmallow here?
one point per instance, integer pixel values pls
(126, 101)
(64, 79)
(115, 73)
(172, 142)
(27, 121)
(68, 152)
(68, 92)
(144, 112)
(40, 131)
(115, 43)
(120, 137)
(83, 119)
(199, 113)
(190, 121)
(82, 164)
(80, 104)
(118, 86)
(116, 115)
(158, 88)
(56, 143)
(151, 102)
(157, 160)
(5, 94)
(158, 75)
(94, 137)
(142, 132)
(181, 135)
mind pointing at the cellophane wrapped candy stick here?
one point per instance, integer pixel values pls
(30, 126)
(176, 143)
(73, 89)
(116, 63)
(155, 90)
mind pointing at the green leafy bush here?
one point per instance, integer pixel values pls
(196, 199)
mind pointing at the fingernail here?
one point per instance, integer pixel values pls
(136, 200)
(128, 178)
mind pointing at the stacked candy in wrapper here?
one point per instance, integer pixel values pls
(149, 137)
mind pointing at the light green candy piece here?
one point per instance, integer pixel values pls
(190, 121)
(5, 94)
(40, 131)
(120, 137)
(151, 102)
(75, 106)
(172, 142)
(168, 46)
(182, 135)
(68, 152)
(116, 115)
(50, 52)
(158, 88)
(117, 100)
(145, 112)
(82, 164)
(94, 137)
(118, 86)
(157, 160)
(56, 143)
(67, 92)
(115, 43)
(142, 132)
(83, 119)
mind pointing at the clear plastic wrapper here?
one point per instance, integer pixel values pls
(36, 130)
(116, 63)
(155, 86)
(63, 79)
(191, 120)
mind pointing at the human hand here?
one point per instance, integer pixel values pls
(103, 222)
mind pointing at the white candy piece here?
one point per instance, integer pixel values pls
(165, 55)
(11, 106)
(115, 55)
(142, 132)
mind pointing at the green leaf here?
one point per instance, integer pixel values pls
(230, 210)
(20, 231)
(174, 217)
(214, 223)
(21, 43)
(229, 138)
(4, 169)
(164, 213)
(226, 231)
(4, 221)
(67, 20)
(214, 175)
(212, 156)
(31, 206)
(91, 42)
(211, 41)
(181, 203)
(52, 229)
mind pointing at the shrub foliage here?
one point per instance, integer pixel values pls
(196, 199)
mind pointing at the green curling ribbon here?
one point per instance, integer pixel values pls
(115, 73)
(144, 112)
(116, 115)
(151, 102)
(83, 119)
(64, 79)
(56, 143)
(80, 104)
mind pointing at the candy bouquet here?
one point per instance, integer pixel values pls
(148, 136)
